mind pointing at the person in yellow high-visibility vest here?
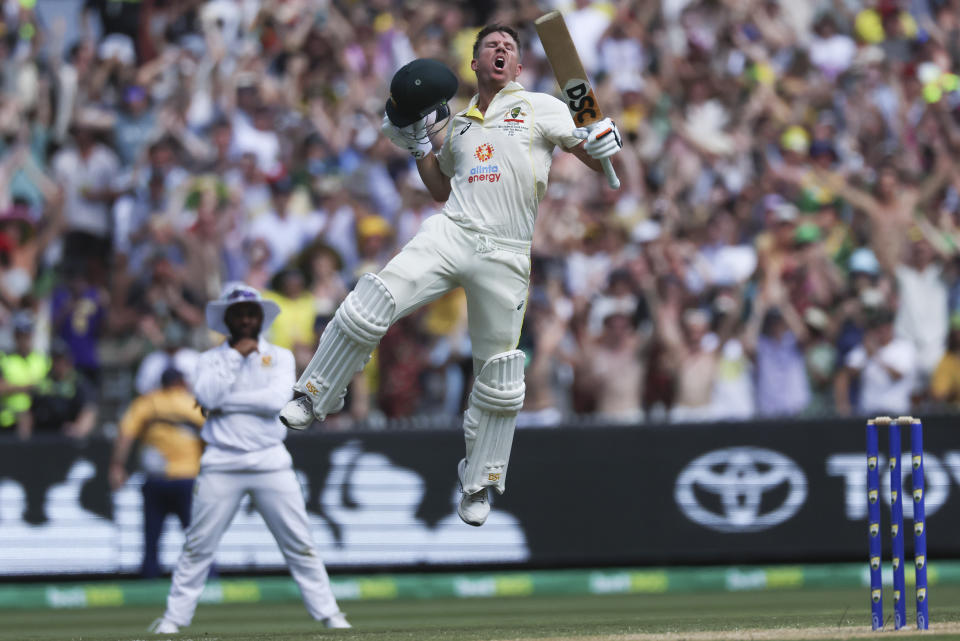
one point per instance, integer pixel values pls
(20, 372)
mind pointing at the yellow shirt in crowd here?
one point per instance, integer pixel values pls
(945, 382)
(295, 323)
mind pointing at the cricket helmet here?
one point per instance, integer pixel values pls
(418, 89)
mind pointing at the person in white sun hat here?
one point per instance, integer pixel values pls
(242, 385)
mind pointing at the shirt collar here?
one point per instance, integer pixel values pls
(472, 112)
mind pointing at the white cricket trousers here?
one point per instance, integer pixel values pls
(277, 497)
(494, 273)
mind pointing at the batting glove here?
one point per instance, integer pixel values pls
(412, 138)
(603, 139)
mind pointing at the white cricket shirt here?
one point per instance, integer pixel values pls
(243, 398)
(498, 161)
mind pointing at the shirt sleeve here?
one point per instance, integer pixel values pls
(217, 371)
(555, 123)
(899, 356)
(59, 169)
(445, 155)
(857, 358)
(133, 418)
(267, 401)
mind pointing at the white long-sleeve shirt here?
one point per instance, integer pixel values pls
(243, 398)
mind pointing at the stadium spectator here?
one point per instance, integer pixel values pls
(820, 357)
(374, 234)
(402, 354)
(124, 20)
(322, 265)
(546, 341)
(886, 366)
(611, 369)
(588, 22)
(173, 352)
(87, 170)
(21, 371)
(922, 314)
(776, 335)
(258, 271)
(286, 232)
(447, 345)
(63, 402)
(294, 327)
(945, 381)
(135, 124)
(23, 242)
(164, 424)
(734, 395)
(691, 356)
(165, 296)
(418, 206)
(784, 144)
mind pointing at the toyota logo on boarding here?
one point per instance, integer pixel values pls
(740, 477)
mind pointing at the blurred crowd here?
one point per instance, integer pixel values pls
(785, 242)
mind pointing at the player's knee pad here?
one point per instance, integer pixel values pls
(495, 401)
(346, 344)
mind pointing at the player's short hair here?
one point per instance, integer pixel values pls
(493, 28)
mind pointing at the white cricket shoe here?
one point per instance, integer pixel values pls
(298, 413)
(163, 626)
(337, 621)
(473, 509)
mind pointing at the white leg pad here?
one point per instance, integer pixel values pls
(491, 417)
(346, 344)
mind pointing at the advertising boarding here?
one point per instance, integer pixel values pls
(765, 492)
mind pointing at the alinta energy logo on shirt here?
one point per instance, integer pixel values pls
(484, 173)
(484, 152)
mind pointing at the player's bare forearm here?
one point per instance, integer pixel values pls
(585, 158)
(121, 449)
(437, 182)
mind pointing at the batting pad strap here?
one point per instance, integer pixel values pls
(356, 325)
(499, 401)
(495, 401)
(346, 343)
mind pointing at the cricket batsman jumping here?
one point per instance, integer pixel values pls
(491, 173)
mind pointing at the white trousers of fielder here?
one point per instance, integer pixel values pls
(277, 497)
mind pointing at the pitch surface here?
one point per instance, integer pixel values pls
(779, 615)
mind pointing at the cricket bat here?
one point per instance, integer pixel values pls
(574, 84)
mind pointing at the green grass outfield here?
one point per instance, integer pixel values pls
(782, 614)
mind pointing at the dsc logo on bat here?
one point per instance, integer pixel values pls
(581, 101)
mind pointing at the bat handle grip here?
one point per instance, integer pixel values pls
(612, 179)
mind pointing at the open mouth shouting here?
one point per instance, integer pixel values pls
(499, 62)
